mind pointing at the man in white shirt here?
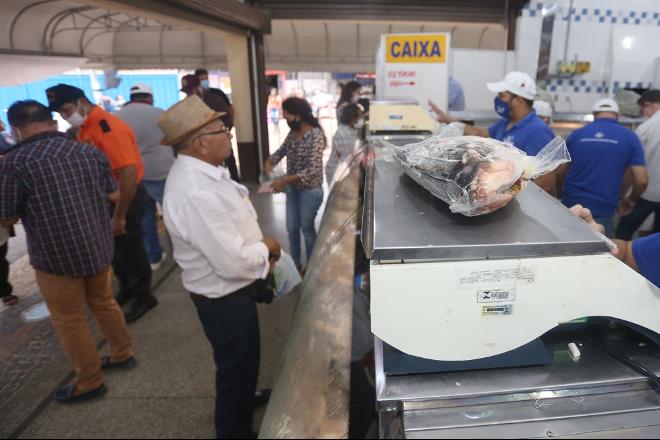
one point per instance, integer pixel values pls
(224, 256)
(649, 203)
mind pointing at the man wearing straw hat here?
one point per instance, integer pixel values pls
(224, 256)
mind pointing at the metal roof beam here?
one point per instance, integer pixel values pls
(207, 15)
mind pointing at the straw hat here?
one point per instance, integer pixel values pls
(184, 118)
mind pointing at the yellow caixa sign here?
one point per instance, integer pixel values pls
(420, 48)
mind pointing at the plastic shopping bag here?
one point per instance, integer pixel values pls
(286, 275)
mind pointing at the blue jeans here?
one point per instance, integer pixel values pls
(155, 190)
(302, 205)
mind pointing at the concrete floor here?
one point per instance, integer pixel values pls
(171, 392)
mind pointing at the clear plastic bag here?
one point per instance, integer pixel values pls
(476, 175)
(286, 275)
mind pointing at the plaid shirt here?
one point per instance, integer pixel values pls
(59, 189)
(304, 157)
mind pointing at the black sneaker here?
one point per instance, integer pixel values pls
(139, 308)
(68, 394)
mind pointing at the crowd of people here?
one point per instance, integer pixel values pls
(89, 205)
(89, 200)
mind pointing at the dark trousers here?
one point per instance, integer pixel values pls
(131, 263)
(631, 223)
(5, 287)
(231, 324)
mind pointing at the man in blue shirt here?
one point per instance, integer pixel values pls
(456, 96)
(601, 154)
(519, 125)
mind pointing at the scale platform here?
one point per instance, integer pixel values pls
(411, 224)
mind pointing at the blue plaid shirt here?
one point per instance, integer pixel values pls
(59, 189)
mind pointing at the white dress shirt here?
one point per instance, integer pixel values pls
(649, 134)
(214, 229)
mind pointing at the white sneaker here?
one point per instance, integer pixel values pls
(156, 266)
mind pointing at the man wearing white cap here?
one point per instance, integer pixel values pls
(224, 256)
(544, 111)
(141, 115)
(519, 125)
(602, 152)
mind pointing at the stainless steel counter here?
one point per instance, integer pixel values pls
(411, 224)
(310, 398)
(595, 393)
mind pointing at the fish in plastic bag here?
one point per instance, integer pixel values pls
(476, 175)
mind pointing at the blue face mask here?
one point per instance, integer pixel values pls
(205, 83)
(502, 107)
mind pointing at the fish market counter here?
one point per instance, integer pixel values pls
(518, 323)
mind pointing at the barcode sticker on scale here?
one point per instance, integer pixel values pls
(496, 295)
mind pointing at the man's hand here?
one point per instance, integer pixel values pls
(585, 214)
(113, 197)
(439, 114)
(118, 226)
(626, 206)
(268, 167)
(274, 251)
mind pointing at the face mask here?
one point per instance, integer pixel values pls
(359, 124)
(355, 99)
(294, 125)
(205, 83)
(76, 120)
(502, 107)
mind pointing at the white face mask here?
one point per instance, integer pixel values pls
(359, 124)
(355, 99)
(76, 119)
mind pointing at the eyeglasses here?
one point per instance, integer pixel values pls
(223, 130)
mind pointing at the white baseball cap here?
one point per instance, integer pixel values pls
(543, 109)
(518, 83)
(606, 105)
(141, 88)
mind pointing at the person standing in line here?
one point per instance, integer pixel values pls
(637, 211)
(601, 154)
(60, 189)
(219, 102)
(141, 115)
(6, 289)
(224, 257)
(350, 94)
(544, 111)
(343, 142)
(303, 184)
(519, 124)
(116, 140)
(456, 96)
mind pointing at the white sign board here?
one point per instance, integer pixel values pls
(414, 67)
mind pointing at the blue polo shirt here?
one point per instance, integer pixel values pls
(647, 255)
(601, 152)
(530, 134)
